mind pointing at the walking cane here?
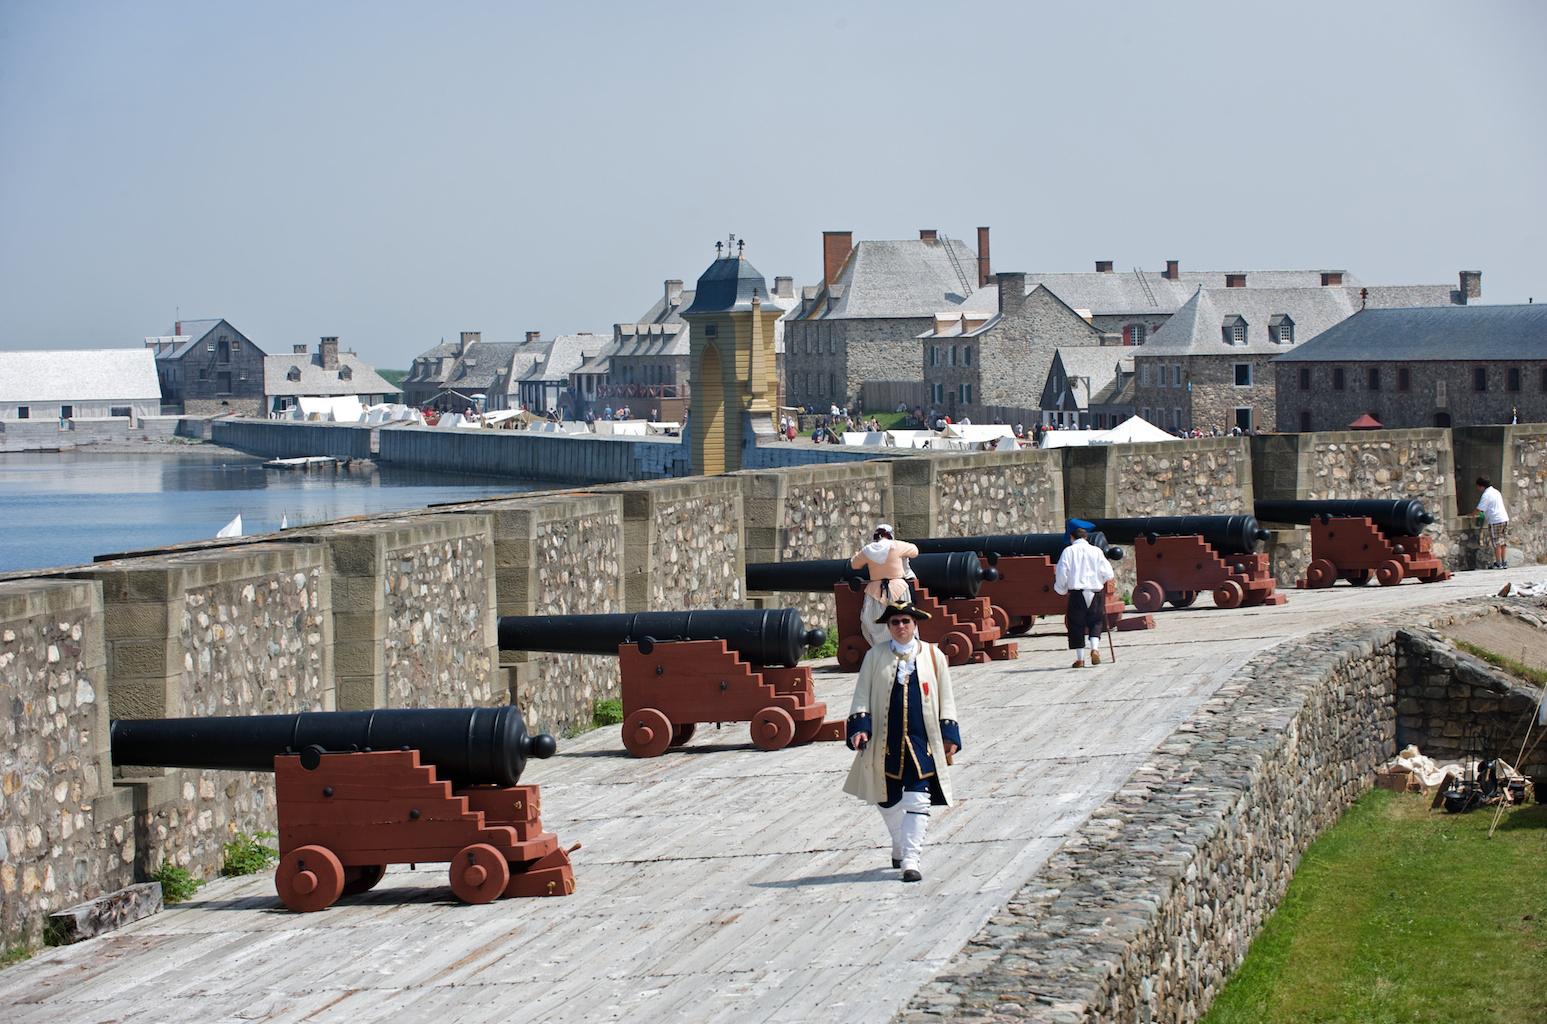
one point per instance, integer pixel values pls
(1111, 645)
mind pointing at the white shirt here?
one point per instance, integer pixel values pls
(1491, 505)
(1081, 567)
(906, 656)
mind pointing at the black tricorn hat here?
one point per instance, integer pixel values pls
(902, 608)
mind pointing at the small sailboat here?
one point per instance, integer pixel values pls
(233, 528)
(284, 521)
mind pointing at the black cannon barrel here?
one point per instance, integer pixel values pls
(1228, 535)
(1008, 545)
(470, 746)
(956, 574)
(772, 636)
(1397, 518)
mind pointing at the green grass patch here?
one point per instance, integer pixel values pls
(607, 712)
(828, 648)
(1509, 665)
(891, 420)
(15, 954)
(393, 377)
(247, 855)
(177, 884)
(1401, 915)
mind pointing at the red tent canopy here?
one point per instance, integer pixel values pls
(1365, 422)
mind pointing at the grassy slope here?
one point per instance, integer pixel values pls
(1400, 914)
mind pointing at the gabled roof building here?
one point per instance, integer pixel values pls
(326, 373)
(78, 384)
(208, 367)
(1422, 367)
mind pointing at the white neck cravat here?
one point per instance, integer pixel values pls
(905, 654)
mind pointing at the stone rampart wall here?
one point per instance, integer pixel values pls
(967, 495)
(813, 513)
(45, 434)
(531, 456)
(682, 544)
(1149, 906)
(65, 833)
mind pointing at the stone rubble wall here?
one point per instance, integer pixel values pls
(65, 834)
(682, 542)
(813, 513)
(1150, 905)
(1514, 457)
(968, 495)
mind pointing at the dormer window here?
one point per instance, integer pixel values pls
(1281, 330)
(345, 373)
(294, 374)
(1234, 330)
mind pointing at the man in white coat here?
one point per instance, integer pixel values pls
(902, 725)
(1082, 574)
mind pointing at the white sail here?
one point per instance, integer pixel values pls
(233, 528)
(284, 521)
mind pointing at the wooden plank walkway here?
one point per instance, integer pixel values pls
(719, 883)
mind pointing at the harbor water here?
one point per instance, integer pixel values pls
(66, 508)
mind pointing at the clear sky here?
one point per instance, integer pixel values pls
(394, 173)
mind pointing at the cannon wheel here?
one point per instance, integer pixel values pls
(957, 647)
(309, 878)
(479, 873)
(362, 878)
(1357, 577)
(1001, 618)
(1181, 598)
(772, 728)
(852, 651)
(1321, 573)
(647, 733)
(1229, 594)
(806, 731)
(680, 734)
(1020, 625)
(1148, 596)
(1389, 573)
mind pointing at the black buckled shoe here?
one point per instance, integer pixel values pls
(896, 862)
(913, 875)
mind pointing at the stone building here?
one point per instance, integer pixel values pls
(79, 384)
(327, 373)
(208, 367)
(994, 365)
(1085, 387)
(427, 375)
(1207, 367)
(863, 322)
(538, 377)
(1425, 367)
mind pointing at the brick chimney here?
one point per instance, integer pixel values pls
(1012, 291)
(467, 340)
(673, 293)
(1471, 285)
(784, 287)
(532, 336)
(1173, 270)
(177, 329)
(929, 235)
(1103, 266)
(299, 350)
(1331, 278)
(836, 246)
(1235, 280)
(984, 273)
(328, 349)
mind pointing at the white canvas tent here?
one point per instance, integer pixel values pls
(1133, 430)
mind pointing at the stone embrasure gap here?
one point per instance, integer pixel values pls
(1144, 912)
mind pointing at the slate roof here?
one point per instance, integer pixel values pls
(193, 332)
(318, 382)
(729, 284)
(906, 278)
(1197, 327)
(80, 375)
(563, 355)
(446, 350)
(1465, 333)
(1097, 367)
(476, 371)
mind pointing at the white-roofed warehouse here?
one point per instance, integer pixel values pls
(79, 384)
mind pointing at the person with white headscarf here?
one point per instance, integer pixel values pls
(886, 561)
(902, 726)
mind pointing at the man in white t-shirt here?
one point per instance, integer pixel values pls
(1490, 507)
